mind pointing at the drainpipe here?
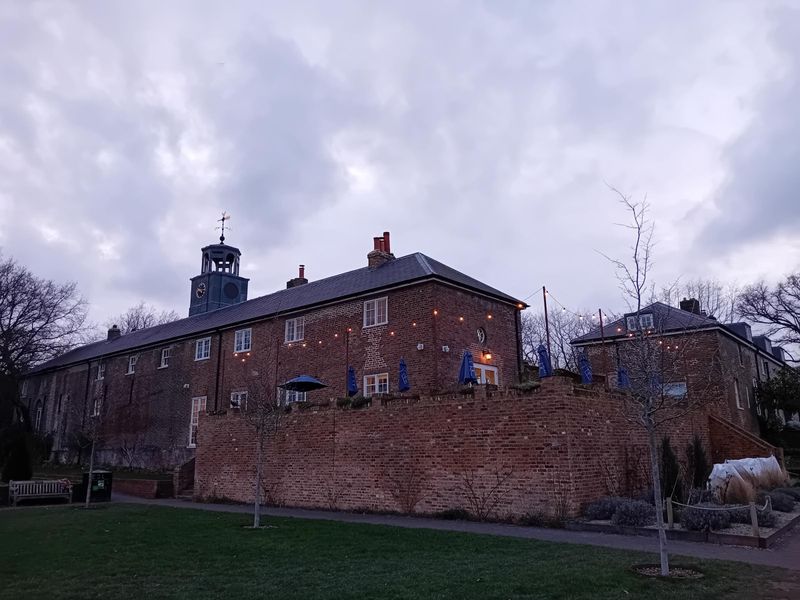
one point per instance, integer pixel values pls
(219, 366)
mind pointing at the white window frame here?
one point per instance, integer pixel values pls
(481, 370)
(631, 323)
(374, 308)
(737, 393)
(290, 396)
(97, 404)
(23, 388)
(101, 371)
(672, 385)
(646, 321)
(198, 405)
(239, 399)
(242, 340)
(294, 330)
(39, 412)
(132, 360)
(202, 349)
(166, 354)
(377, 383)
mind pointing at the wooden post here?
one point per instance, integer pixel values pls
(754, 519)
(670, 519)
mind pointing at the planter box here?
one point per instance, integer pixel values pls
(145, 488)
(715, 537)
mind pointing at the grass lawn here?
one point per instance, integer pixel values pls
(132, 551)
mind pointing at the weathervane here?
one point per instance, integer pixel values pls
(225, 217)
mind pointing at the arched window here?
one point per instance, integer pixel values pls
(38, 421)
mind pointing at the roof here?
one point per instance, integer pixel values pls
(403, 270)
(666, 318)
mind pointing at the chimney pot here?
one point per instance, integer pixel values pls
(302, 272)
(113, 333)
(381, 251)
(386, 247)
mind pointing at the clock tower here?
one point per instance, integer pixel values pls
(218, 284)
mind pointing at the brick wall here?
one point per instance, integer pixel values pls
(560, 443)
(730, 442)
(146, 414)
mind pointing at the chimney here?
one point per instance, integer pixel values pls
(113, 333)
(691, 305)
(381, 252)
(299, 280)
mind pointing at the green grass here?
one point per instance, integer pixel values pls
(131, 551)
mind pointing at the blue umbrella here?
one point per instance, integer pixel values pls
(545, 367)
(466, 373)
(623, 381)
(404, 383)
(303, 383)
(352, 385)
(585, 367)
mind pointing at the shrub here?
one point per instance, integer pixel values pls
(604, 508)
(670, 471)
(765, 518)
(343, 402)
(453, 514)
(541, 519)
(359, 401)
(697, 460)
(696, 518)
(18, 463)
(634, 513)
(780, 502)
(794, 492)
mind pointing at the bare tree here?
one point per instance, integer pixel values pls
(263, 411)
(654, 361)
(716, 299)
(776, 308)
(39, 320)
(564, 327)
(141, 316)
(88, 431)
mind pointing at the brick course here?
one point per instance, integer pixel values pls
(556, 444)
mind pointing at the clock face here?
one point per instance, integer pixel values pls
(201, 290)
(481, 335)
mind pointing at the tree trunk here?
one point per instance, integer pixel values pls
(655, 467)
(89, 482)
(257, 501)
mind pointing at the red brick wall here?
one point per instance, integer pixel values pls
(146, 414)
(560, 443)
(730, 442)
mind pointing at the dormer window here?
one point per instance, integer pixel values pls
(645, 321)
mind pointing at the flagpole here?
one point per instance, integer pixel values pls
(546, 321)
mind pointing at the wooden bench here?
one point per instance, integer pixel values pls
(39, 489)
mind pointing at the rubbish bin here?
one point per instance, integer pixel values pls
(101, 486)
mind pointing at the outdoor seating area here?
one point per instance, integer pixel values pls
(39, 489)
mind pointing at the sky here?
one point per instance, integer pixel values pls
(484, 134)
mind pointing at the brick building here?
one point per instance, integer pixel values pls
(721, 362)
(148, 388)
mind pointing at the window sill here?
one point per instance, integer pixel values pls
(202, 359)
(131, 373)
(287, 342)
(192, 446)
(375, 325)
(242, 351)
(163, 366)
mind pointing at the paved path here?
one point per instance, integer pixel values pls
(785, 554)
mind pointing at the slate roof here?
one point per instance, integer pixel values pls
(665, 319)
(403, 270)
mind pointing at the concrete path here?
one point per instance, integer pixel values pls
(785, 554)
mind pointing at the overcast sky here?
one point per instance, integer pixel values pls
(480, 133)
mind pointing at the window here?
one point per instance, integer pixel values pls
(675, 389)
(202, 349)
(289, 396)
(766, 369)
(645, 321)
(736, 393)
(376, 312)
(198, 405)
(295, 329)
(101, 370)
(132, 364)
(741, 354)
(38, 417)
(24, 389)
(241, 340)
(165, 354)
(486, 374)
(376, 384)
(97, 405)
(239, 399)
